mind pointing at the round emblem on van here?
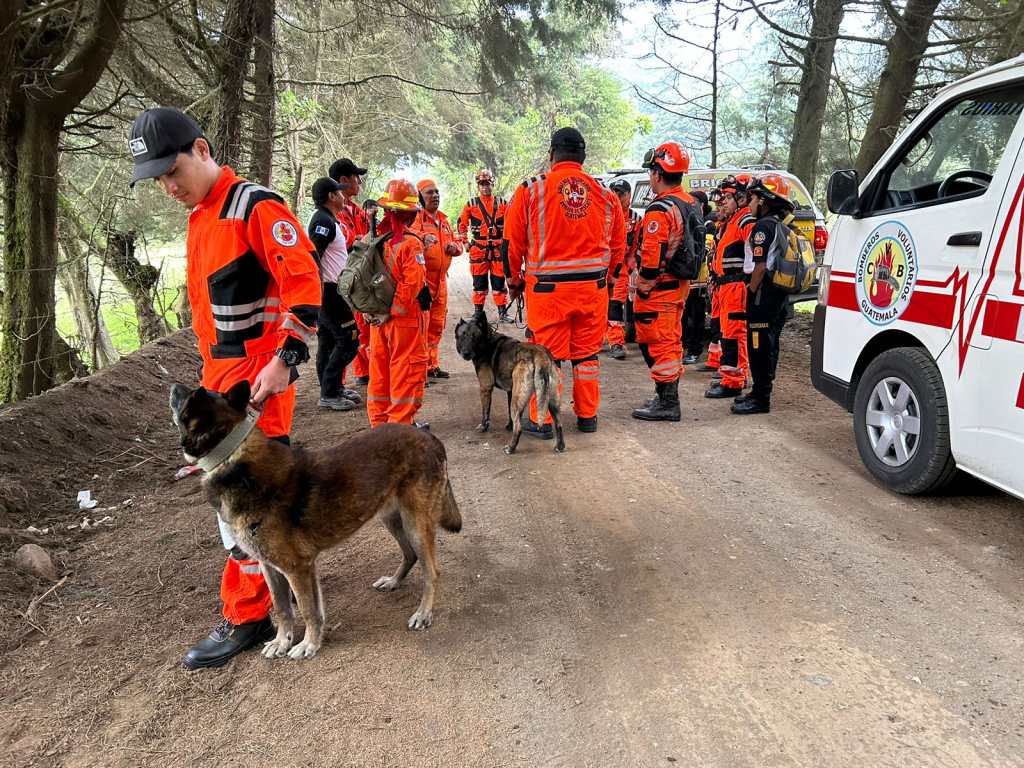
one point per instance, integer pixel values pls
(886, 273)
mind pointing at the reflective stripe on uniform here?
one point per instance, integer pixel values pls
(248, 322)
(242, 309)
(291, 323)
(250, 568)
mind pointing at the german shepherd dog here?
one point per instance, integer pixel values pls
(518, 368)
(285, 506)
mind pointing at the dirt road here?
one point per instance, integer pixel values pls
(722, 592)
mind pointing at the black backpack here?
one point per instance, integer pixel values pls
(688, 258)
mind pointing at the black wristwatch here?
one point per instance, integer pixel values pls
(290, 357)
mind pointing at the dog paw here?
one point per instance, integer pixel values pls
(278, 647)
(386, 584)
(559, 449)
(304, 650)
(483, 427)
(420, 620)
(509, 450)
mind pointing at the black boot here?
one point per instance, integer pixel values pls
(226, 641)
(531, 428)
(717, 391)
(667, 406)
(750, 405)
(503, 315)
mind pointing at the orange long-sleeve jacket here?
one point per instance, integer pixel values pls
(355, 221)
(729, 246)
(436, 260)
(662, 229)
(563, 226)
(481, 226)
(252, 278)
(406, 264)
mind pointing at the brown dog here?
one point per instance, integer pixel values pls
(520, 369)
(284, 506)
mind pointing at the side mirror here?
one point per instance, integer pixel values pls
(842, 195)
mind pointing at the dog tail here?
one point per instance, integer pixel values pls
(451, 518)
(545, 382)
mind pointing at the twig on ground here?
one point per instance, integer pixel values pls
(34, 604)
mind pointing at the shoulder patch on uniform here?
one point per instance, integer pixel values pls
(320, 229)
(652, 227)
(758, 250)
(759, 237)
(419, 258)
(284, 233)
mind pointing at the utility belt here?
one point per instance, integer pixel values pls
(730, 277)
(491, 251)
(551, 284)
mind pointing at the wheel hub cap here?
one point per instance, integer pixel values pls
(893, 421)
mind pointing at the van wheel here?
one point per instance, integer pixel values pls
(901, 422)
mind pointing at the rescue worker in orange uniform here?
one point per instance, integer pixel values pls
(254, 287)
(564, 233)
(620, 282)
(398, 354)
(357, 225)
(440, 246)
(660, 296)
(481, 226)
(735, 223)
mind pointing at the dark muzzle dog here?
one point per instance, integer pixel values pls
(519, 369)
(284, 507)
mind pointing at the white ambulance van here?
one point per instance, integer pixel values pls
(919, 327)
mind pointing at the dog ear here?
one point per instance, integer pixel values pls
(238, 396)
(179, 394)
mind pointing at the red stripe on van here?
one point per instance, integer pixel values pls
(930, 309)
(842, 295)
(1001, 320)
(1020, 393)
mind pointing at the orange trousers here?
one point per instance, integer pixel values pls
(715, 347)
(398, 371)
(571, 321)
(435, 321)
(658, 319)
(732, 303)
(487, 273)
(361, 365)
(619, 294)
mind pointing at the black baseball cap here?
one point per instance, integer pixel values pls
(344, 167)
(620, 186)
(322, 189)
(568, 138)
(157, 136)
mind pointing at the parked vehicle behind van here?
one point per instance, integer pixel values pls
(919, 327)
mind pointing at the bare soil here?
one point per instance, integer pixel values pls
(720, 592)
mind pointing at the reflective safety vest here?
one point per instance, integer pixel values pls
(481, 226)
(563, 226)
(729, 247)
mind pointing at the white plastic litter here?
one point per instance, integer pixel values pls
(85, 500)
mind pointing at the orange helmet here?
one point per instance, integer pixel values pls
(400, 195)
(772, 186)
(744, 179)
(671, 157)
(484, 174)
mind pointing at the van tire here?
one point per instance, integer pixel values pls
(931, 466)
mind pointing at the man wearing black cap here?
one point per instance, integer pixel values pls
(336, 326)
(564, 232)
(356, 224)
(255, 295)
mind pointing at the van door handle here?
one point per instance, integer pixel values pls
(965, 238)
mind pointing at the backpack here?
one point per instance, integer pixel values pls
(365, 283)
(688, 258)
(795, 269)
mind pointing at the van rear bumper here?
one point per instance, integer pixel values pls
(835, 389)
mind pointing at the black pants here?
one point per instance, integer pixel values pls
(694, 314)
(338, 340)
(766, 314)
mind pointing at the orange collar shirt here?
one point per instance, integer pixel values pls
(407, 266)
(252, 279)
(563, 226)
(436, 260)
(355, 221)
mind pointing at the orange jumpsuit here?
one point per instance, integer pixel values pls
(620, 288)
(437, 263)
(398, 356)
(731, 295)
(254, 287)
(660, 297)
(481, 225)
(564, 233)
(357, 224)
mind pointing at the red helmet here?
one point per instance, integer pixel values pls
(772, 186)
(484, 174)
(671, 157)
(400, 195)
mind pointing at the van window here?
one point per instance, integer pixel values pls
(956, 156)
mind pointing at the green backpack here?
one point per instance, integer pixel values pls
(365, 283)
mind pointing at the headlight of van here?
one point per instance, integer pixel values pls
(824, 271)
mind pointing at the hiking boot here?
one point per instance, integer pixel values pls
(719, 392)
(438, 373)
(351, 394)
(226, 641)
(741, 398)
(617, 352)
(690, 359)
(364, 380)
(716, 376)
(667, 407)
(531, 428)
(586, 423)
(424, 425)
(751, 405)
(336, 403)
(704, 368)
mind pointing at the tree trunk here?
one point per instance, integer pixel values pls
(139, 280)
(714, 86)
(67, 363)
(297, 191)
(233, 66)
(30, 252)
(814, 87)
(903, 58)
(1011, 40)
(183, 308)
(262, 149)
(73, 273)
